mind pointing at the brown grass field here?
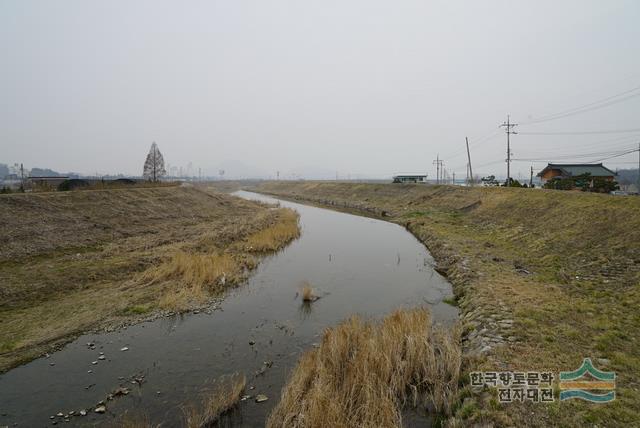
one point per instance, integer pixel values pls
(543, 279)
(73, 261)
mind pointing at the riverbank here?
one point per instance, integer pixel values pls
(355, 265)
(543, 280)
(77, 261)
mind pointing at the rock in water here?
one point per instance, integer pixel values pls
(100, 409)
(261, 397)
(120, 391)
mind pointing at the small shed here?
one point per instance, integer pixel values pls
(410, 178)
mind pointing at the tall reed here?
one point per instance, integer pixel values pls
(363, 373)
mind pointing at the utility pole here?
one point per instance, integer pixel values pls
(438, 163)
(454, 178)
(508, 125)
(639, 167)
(531, 177)
(469, 159)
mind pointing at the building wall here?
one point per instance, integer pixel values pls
(550, 174)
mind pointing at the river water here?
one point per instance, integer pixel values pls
(358, 265)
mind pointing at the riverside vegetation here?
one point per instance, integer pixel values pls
(75, 261)
(543, 279)
(364, 373)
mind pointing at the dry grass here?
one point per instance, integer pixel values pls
(195, 271)
(138, 249)
(223, 398)
(363, 373)
(197, 276)
(133, 420)
(208, 268)
(272, 238)
(307, 293)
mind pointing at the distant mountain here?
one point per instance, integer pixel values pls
(627, 176)
(44, 172)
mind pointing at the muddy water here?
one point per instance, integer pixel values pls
(357, 264)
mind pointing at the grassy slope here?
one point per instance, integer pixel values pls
(77, 260)
(563, 266)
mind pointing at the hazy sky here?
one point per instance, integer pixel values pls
(313, 87)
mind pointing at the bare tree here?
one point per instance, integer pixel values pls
(154, 165)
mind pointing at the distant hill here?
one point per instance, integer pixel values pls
(44, 172)
(627, 176)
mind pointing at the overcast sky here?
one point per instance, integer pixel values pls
(360, 87)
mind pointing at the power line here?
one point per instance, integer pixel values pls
(473, 143)
(607, 156)
(581, 155)
(610, 131)
(616, 156)
(488, 163)
(592, 146)
(605, 102)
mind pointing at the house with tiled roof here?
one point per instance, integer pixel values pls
(563, 171)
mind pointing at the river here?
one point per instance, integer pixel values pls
(358, 265)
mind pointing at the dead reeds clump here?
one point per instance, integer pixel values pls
(277, 235)
(198, 275)
(363, 373)
(193, 270)
(223, 398)
(307, 293)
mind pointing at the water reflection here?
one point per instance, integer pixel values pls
(305, 309)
